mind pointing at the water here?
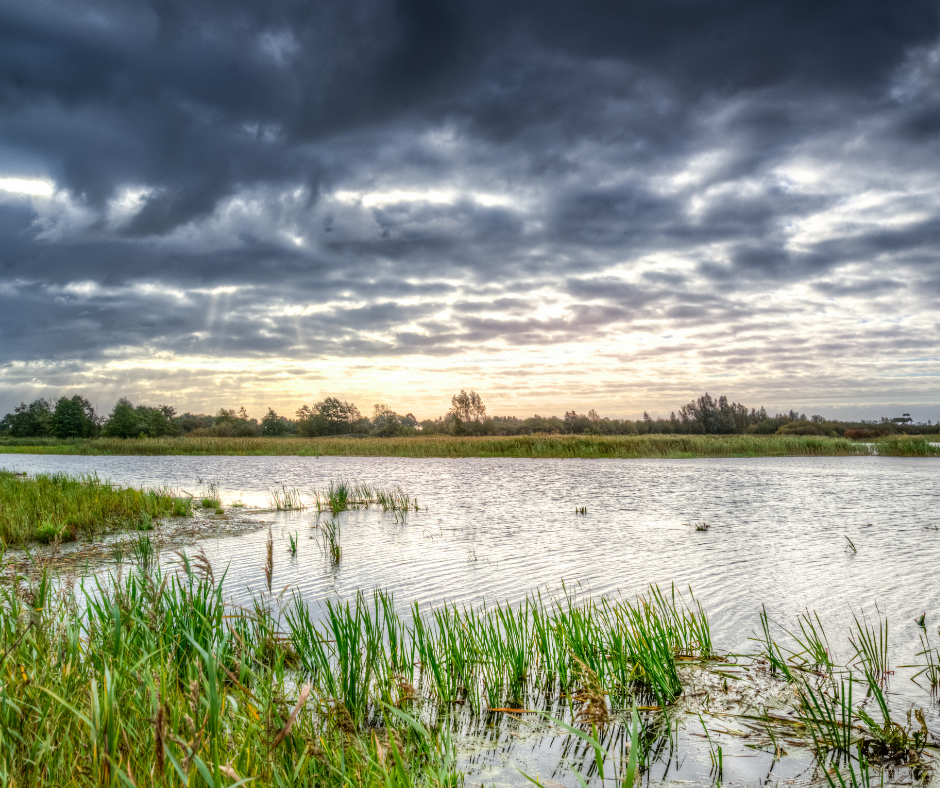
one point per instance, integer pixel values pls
(497, 529)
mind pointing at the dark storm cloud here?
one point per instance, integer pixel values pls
(379, 179)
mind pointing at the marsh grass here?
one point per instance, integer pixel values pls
(152, 678)
(871, 647)
(931, 670)
(285, 499)
(554, 446)
(143, 553)
(329, 531)
(210, 496)
(341, 496)
(59, 507)
(826, 709)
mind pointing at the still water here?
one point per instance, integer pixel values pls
(497, 529)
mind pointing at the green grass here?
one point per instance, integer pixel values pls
(158, 683)
(560, 446)
(151, 678)
(61, 507)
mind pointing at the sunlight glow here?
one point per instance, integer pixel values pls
(34, 187)
(439, 196)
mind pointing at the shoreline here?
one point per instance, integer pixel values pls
(71, 557)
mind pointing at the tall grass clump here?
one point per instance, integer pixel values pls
(210, 496)
(330, 535)
(59, 507)
(152, 677)
(153, 680)
(285, 499)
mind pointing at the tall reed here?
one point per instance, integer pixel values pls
(555, 446)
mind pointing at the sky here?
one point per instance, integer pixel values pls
(609, 205)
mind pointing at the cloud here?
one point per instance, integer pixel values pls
(641, 199)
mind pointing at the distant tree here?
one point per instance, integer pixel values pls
(385, 421)
(124, 421)
(467, 412)
(577, 424)
(127, 421)
(273, 426)
(334, 410)
(29, 421)
(73, 418)
(708, 415)
(468, 407)
(330, 417)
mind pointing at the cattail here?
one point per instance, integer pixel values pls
(159, 731)
(269, 563)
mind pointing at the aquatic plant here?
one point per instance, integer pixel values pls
(154, 678)
(143, 553)
(210, 496)
(871, 647)
(158, 682)
(932, 667)
(827, 713)
(330, 533)
(285, 498)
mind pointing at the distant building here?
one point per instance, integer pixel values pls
(904, 418)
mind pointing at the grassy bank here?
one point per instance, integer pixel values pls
(62, 507)
(557, 446)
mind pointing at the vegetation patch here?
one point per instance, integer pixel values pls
(530, 446)
(152, 678)
(59, 507)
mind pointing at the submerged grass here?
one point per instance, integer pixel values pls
(555, 446)
(59, 507)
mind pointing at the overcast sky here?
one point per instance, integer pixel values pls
(616, 205)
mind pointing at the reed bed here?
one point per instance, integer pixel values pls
(531, 446)
(151, 678)
(839, 728)
(158, 683)
(341, 496)
(61, 507)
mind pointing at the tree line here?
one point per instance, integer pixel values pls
(74, 417)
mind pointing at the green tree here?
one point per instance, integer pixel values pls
(273, 426)
(467, 412)
(385, 421)
(124, 421)
(73, 418)
(330, 417)
(29, 421)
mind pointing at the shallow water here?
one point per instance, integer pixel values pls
(497, 529)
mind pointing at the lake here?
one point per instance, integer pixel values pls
(838, 536)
